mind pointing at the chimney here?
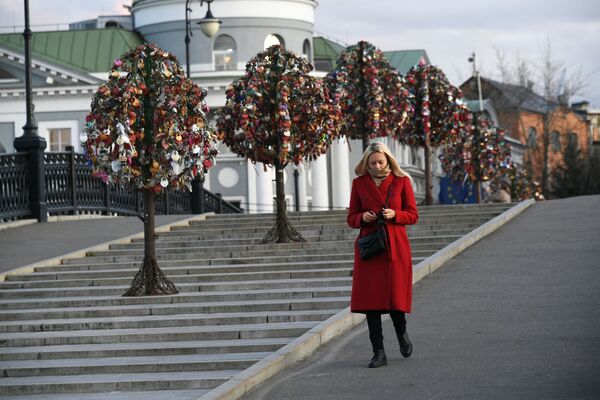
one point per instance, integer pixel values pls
(530, 84)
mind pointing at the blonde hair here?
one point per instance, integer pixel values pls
(378, 147)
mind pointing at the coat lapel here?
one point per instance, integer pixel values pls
(383, 189)
(374, 190)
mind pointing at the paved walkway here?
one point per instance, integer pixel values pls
(516, 316)
(28, 244)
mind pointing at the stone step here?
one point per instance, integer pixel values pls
(113, 382)
(345, 251)
(260, 226)
(17, 292)
(142, 349)
(72, 268)
(128, 365)
(196, 278)
(329, 235)
(154, 321)
(232, 251)
(241, 331)
(93, 311)
(226, 246)
(193, 297)
(427, 217)
(60, 272)
(344, 212)
(79, 264)
(259, 233)
(193, 241)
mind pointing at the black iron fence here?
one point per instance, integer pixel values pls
(71, 189)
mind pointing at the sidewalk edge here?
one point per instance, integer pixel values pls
(305, 345)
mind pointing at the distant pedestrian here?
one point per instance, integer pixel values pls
(383, 284)
(502, 192)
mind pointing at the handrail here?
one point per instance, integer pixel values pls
(71, 189)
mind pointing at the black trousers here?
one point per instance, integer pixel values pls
(376, 330)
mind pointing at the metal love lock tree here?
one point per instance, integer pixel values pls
(440, 114)
(477, 154)
(148, 129)
(276, 114)
(374, 100)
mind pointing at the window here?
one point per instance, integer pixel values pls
(225, 53)
(531, 138)
(573, 141)
(7, 137)
(323, 64)
(273, 39)
(306, 51)
(555, 141)
(60, 138)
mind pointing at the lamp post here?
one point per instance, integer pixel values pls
(476, 125)
(30, 142)
(209, 25)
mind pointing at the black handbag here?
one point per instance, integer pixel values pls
(371, 245)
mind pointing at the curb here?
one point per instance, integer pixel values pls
(98, 247)
(53, 218)
(344, 320)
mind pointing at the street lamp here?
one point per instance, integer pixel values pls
(477, 148)
(478, 77)
(30, 141)
(209, 25)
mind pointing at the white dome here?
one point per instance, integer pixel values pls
(149, 12)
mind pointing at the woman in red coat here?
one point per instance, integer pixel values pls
(383, 284)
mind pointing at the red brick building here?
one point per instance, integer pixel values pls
(536, 123)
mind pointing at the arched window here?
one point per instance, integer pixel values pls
(555, 141)
(306, 50)
(112, 24)
(273, 39)
(225, 53)
(531, 138)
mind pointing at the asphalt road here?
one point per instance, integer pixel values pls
(516, 316)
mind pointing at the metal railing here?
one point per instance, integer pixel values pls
(71, 189)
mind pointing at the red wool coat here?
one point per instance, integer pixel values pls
(384, 282)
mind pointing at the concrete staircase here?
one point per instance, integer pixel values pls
(66, 330)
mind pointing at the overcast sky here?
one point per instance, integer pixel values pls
(449, 30)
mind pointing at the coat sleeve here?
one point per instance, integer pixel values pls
(355, 209)
(409, 214)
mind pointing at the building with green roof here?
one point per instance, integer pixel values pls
(327, 52)
(69, 65)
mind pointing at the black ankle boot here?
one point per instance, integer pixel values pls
(406, 346)
(378, 359)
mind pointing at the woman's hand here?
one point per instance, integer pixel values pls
(388, 213)
(369, 216)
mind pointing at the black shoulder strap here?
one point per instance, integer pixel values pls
(387, 196)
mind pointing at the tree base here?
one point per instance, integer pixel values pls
(150, 281)
(282, 232)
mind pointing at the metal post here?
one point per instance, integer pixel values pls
(220, 208)
(197, 197)
(188, 33)
(72, 178)
(296, 189)
(106, 199)
(31, 142)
